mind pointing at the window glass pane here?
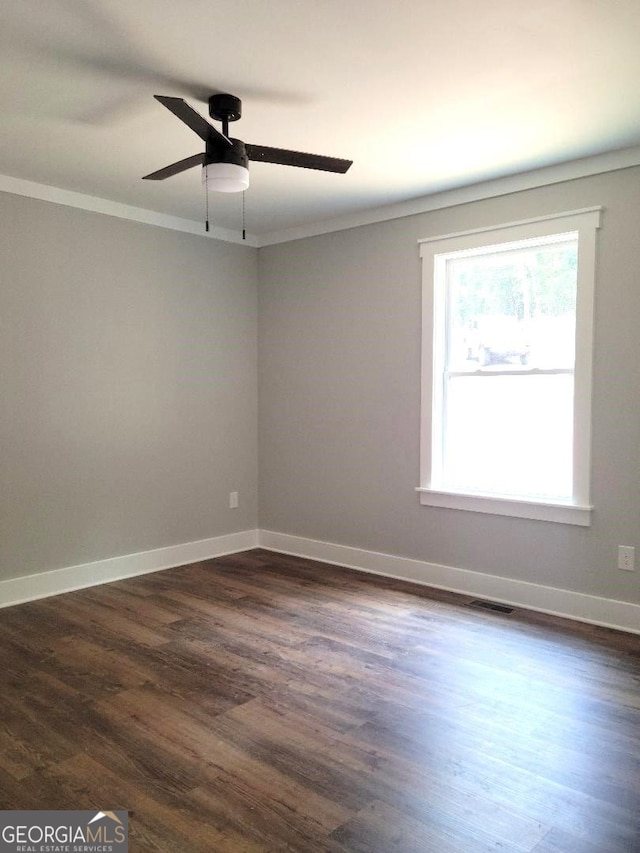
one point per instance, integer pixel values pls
(509, 435)
(513, 306)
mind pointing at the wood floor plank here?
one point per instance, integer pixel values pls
(409, 762)
(86, 609)
(439, 805)
(261, 703)
(559, 841)
(176, 824)
(380, 828)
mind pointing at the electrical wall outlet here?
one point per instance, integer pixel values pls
(233, 500)
(626, 558)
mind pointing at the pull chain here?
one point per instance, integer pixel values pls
(244, 233)
(206, 193)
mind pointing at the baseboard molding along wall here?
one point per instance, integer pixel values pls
(606, 612)
(45, 584)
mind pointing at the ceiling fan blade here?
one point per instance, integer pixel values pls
(192, 119)
(297, 158)
(175, 168)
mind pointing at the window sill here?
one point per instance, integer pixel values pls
(563, 513)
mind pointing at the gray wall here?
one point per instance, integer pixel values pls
(127, 387)
(128, 392)
(339, 368)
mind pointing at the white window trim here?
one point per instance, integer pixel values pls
(578, 510)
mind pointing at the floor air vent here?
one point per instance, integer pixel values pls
(490, 605)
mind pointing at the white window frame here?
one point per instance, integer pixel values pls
(578, 509)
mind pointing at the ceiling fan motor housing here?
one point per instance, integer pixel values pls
(236, 153)
(224, 107)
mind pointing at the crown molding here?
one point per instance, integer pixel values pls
(610, 161)
(70, 198)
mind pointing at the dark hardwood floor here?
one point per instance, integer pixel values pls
(261, 703)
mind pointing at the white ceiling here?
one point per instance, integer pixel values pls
(423, 95)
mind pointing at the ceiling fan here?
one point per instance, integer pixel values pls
(225, 161)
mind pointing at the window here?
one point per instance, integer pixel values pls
(506, 368)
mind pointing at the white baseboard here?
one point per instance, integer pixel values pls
(44, 584)
(606, 612)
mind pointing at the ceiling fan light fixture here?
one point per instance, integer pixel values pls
(225, 177)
